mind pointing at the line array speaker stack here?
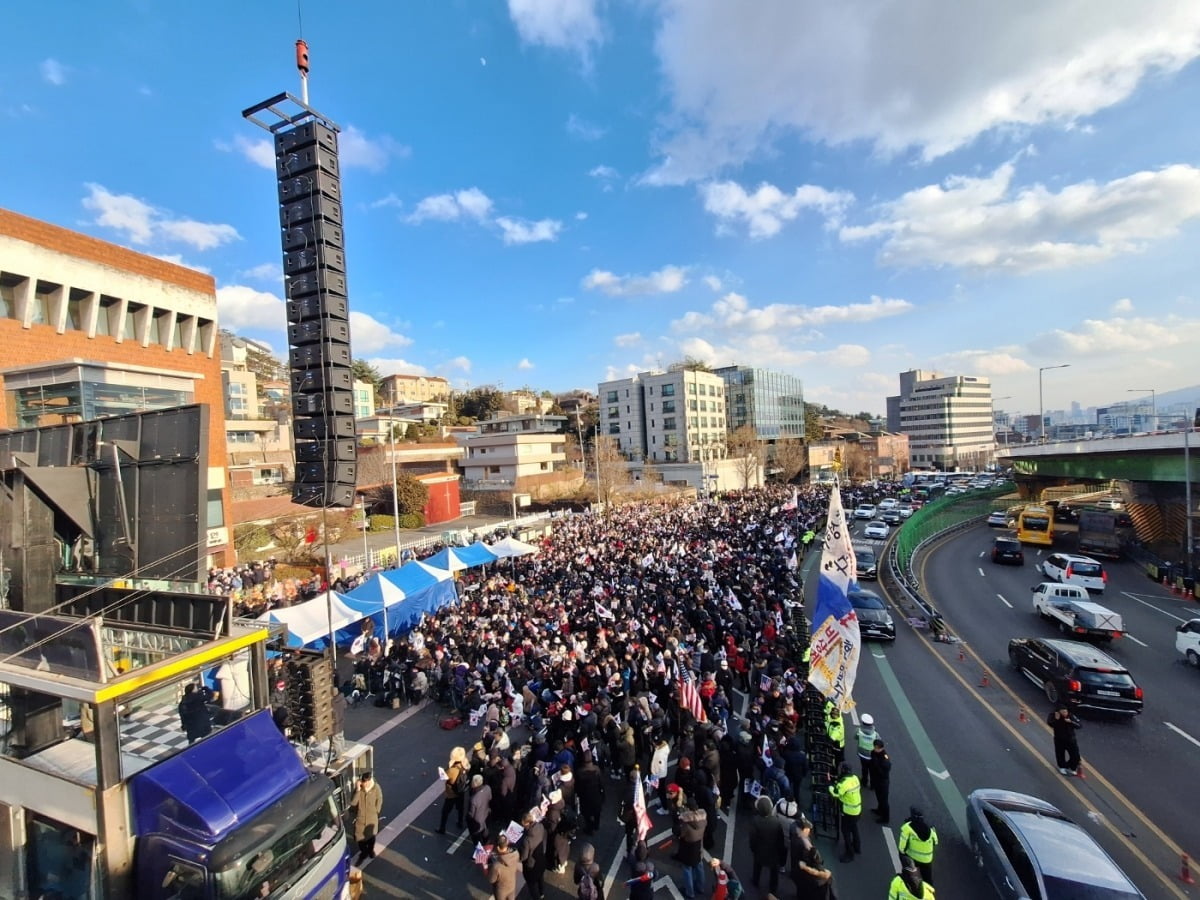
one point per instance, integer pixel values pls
(310, 696)
(318, 315)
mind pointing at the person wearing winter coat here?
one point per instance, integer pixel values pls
(533, 856)
(692, 825)
(502, 868)
(812, 879)
(478, 808)
(590, 887)
(768, 845)
(454, 792)
(365, 806)
(589, 789)
(194, 717)
(587, 856)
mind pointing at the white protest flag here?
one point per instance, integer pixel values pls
(603, 611)
(792, 503)
(835, 640)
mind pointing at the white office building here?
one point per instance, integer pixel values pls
(948, 420)
(666, 417)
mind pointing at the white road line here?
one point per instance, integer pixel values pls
(1135, 640)
(375, 734)
(1005, 602)
(1153, 607)
(407, 816)
(981, 552)
(669, 885)
(981, 575)
(458, 842)
(893, 852)
(854, 716)
(1183, 734)
(941, 776)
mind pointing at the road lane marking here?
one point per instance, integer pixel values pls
(953, 799)
(407, 816)
(854, 716)
(666, 883)
(942, 775)
(1005, 602)
(893, 851)
(981, 552)
(375, 734)
(458, 842)
(1153, 607)
(981, 575)
(1135, 640)
(1183, 734)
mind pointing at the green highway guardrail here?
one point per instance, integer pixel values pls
(942, 515)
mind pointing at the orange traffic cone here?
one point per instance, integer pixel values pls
(984, 682)
(1185, 871)
(1021, 717)
(961, 656)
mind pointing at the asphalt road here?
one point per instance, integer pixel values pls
(1142, 779)
(946, 734)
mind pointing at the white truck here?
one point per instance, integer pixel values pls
(1069, 606)
(1187, 641)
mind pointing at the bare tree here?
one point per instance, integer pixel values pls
(745, 447)
(611, 470)
(856, 462)
(790, 457)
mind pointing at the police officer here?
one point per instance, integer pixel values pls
(835, 730)
(865, 737)
(908, 884)
(919, 839)
(847, 790)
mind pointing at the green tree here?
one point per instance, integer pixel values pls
(413, 432)
(479, 402)
(812, 422)
(411, 494)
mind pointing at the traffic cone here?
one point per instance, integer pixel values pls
(1021, 717)
(961, 656)
(1185, 871)
(984, 682)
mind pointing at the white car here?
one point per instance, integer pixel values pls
(906, 511)
(888, 503)
(876, 529)
(864, 511)
(1084, 571)
(1187, 641)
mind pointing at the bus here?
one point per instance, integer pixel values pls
(1035, 525)
(927, 493)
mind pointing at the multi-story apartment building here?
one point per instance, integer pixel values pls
(673, 416)
(90, 329)
(948, 419)
(397, 389)
(770, 402)
(518, 453)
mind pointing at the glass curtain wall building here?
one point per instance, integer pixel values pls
(770, 402)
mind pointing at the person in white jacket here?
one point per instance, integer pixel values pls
(658, 769)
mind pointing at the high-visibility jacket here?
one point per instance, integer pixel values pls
(919, 851)
(807, 657)
(836, 732)
(866, 741)
(899, 891)
(848, 790)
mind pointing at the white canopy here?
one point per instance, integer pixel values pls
(309, 621)
(510, 546)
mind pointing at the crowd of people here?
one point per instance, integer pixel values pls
(656, 632)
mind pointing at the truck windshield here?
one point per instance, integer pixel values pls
(285, 851)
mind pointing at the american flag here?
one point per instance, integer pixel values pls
(689, 697)
(639, 809)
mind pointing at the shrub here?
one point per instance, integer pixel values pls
(412, 520)
(381, 523)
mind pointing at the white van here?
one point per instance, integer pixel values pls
(1051, 592)
(1083, 571)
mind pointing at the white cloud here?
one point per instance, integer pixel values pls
(982, 362)
(525, 364)
(764, 212)
(522, 231)
(470, 203)
(733, 311)
(143, 223)
(370, 336)
(54, 72)
(389, 200)
(355, 149)
(580, 216)
(875, 71)
(1124, 305)
(263, 272)
(628, 340)
(582, 129)
(1119, 334)
(178, 260)
(714, 283)
(261, 152)
(606, 173)
(666, 280)
(985, 223)
(241, 308)
(462, 363)
(561, 24)
(395, 366)
(771, 351)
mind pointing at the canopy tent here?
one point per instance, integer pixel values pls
(448, 560)
(510, 546)
(476, 554)
(309, 622)
(414, 576)
(403, 594)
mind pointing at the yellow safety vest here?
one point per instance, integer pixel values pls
(836, 732)
(849, 791)
(919, 851)
(899, 891)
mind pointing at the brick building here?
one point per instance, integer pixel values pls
(92, 329)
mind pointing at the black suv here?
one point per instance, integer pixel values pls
(874, 620)
(866, 563)
(1008, 550)
(1076, 675)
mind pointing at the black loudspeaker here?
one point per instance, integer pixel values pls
(318, 314)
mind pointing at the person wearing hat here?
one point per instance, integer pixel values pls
(848, 792)
(812, 879)
(908, 884)
(919, 840)
(365, 806)
(455, 791)
(864, 739)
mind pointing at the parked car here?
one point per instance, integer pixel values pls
(864, 511)
(866, 563)
(997, 519)
(891, 516)
(1029, 848)
(874, 620)
(1008, 550)
(1084, 571)
(1187, 641)
(1076, 675)
(876, 529)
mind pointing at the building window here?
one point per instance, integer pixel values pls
(106, 316)
(651, 423)
(545, 467)
(668, 406)
(216, 509)
(668, 390)
(133, 318)
(614, 411)
(272, 475)
(614, 429)
(611, 397)
(42, 295)
(8, 295)
(692, 388)
(77, 310)
(693, 422)
(160, 327)
(693, 405)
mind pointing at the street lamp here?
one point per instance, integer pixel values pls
(1041, 405)
(1153, 405)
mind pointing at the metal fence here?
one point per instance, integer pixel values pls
(941, 515)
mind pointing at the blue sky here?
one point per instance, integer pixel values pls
(553, 193)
